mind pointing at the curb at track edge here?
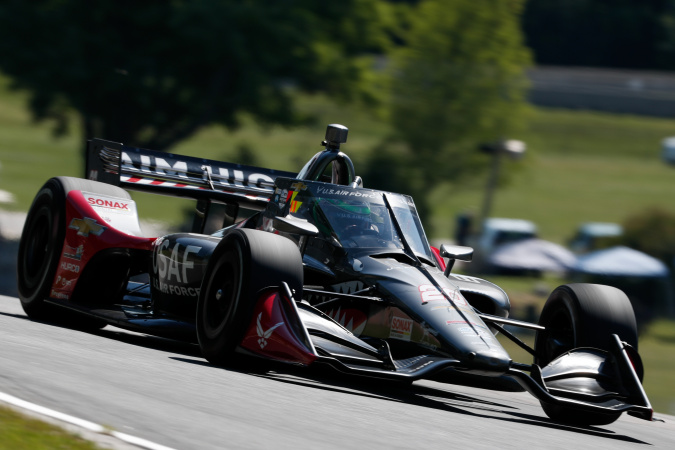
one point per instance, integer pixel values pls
(78, 425)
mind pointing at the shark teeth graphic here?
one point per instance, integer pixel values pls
(341, 317)
(349, 287)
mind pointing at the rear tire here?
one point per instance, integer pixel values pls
(41, 246)
(40, 249)
(244, 263)
(583, 315)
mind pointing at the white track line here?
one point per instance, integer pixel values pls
(90, 426)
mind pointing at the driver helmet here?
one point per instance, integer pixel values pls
(347, 216)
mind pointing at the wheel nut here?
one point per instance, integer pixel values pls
(219, 294)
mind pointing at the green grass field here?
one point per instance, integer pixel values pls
(19, 432)
(580, 166)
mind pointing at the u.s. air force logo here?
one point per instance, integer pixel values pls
(263, 334)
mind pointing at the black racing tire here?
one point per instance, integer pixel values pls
(583, 315)
(41, 245)
(244, 263)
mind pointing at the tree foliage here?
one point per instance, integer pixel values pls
(457, 81)
(460, 74)
(153, 72)
(638, 34)
(651, 231)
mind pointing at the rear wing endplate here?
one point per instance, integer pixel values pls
(181, 176)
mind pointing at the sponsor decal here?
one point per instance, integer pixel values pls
(59, 295)
(452, 309)
(86, 226)
(290, 196)
(295, 205)
(463, 322)
(70, 267)
(392, 264)
(220, 176)
(455, 297)
(469, 331)
(120, 213)
(73, 252)
(173, 289)
(93, 174)
(299, 186)
(282, 196)
(108, 203)
(421, 366)
(62, 282)
(177, 265)
(346, 193)
(401, 328)
(264, 335)
(430, 293)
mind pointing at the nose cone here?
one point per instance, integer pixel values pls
(491, 362)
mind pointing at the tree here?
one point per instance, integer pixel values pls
(151, 73)
(636, 34)
(651, 231)
(458, 80)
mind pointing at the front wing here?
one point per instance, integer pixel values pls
(283, 330)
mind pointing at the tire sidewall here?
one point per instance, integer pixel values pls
(595, 313)
(559, 307)
(264, 260)
(217, 341)
(33, 282)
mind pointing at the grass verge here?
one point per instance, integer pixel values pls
(20, 432)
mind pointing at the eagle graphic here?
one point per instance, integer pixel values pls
(264, 335)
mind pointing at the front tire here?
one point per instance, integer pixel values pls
(583, 315)
(244, 263)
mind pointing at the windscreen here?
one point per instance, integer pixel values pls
(355, 217)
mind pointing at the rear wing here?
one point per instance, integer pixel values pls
(205, 180)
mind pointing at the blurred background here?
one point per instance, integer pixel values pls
(540, 132)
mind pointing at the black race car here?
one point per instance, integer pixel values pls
(310, 268)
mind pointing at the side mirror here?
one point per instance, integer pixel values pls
(294, 225)
(453, 253)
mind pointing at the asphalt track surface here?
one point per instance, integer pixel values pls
(164, 392)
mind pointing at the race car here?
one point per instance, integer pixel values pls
(310, 269)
